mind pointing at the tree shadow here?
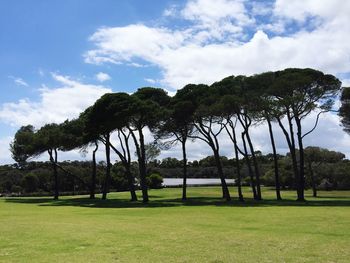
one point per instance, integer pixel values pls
(176, 202)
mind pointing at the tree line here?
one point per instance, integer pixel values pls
(325, 169)
(201, 112)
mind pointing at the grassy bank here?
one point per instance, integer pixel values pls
(204, 229)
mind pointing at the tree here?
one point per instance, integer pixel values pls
(233, 106)
(49, 138)
(29, 143)
(315, 156)
(111, 113)
(266, 111)
(147, 108)
(298, 93)
(77, 136)
(247, 108)
(152, 151)
(178, 126)
(205, 117)
(22, 146)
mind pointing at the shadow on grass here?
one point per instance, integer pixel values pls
(194, 201)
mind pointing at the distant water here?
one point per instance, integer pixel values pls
(195, 181)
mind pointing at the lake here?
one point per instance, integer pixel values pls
(195, 181)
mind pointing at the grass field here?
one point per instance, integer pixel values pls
(205, 229)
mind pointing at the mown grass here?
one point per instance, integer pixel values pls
(204, 229)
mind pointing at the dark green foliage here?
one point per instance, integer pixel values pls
(30, 183)
(22, 146)
(42, 171)
(155, 181)
(344, 111)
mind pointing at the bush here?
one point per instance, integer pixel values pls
(155, 181)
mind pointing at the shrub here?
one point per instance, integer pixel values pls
(155, 181)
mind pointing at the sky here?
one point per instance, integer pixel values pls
(57, 57)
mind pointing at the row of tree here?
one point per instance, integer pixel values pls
(324, 170)
(197, 112)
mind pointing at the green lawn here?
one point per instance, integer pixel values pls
(205, 229)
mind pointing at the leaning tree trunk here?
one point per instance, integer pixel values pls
(108, 168)
(142, 167)
(225, 191)
(301, 185)
(238, 168)
(211, 139)
(127, 161)
(256, 167)
(291, 145)
(250, 170)
(184, 164)
(125, 158)
(293, 153)
(93, 175)
(275, 160)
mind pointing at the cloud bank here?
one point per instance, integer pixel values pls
(225, 37)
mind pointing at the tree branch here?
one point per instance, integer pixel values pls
(316, 122)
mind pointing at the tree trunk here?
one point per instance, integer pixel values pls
(301, 185)
(56, 176)
(256, 166)
(225, 191)
(238, 168)
(130, 182)
(93, 176)
(293, 151)
(53, 160)
(291, 145)
(275, 160)
(73, 182)
(184, 164)
(250, 170)
(142, 167)
(108, 168)
(313, 181)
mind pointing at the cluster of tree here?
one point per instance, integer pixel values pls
(324, 170)
(35, 178)
(198, 112)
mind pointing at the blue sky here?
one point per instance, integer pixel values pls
(70, 52)
(51, 36)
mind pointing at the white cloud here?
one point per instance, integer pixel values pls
(55, 104)
(101, 77)
(208, 13)
(121, 44)
(198, 54)
(300, 10)
(19, 81)
(171, 11)
(151, 81)
(5, 154)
